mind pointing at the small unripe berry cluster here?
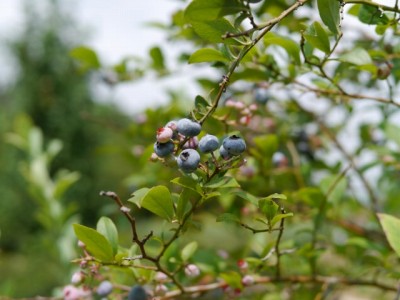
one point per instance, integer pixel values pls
(245, 112)
(179, 139)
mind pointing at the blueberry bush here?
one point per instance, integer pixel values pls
(281, 181)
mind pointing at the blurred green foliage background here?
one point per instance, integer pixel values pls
(50, 94)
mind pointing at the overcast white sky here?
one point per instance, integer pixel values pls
(118, 30)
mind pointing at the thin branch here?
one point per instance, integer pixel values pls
(374, 202)
(370, 3)
(265, 29)
(254, 230)
(320, 216)
(347, 95)
(132, 221)
(277, 244)
(296, 163)
(290, 279)
(398, 293)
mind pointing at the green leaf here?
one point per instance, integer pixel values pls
(357, 56)
(369, 14)
(269, 208)
(277, 196)
(95, 242)
(188, 182)
(185, 199)
(207, 55)
(107, 228)
(158, 200)
(86, 57)
(222, 182)
(138, 196)
(189, 250)
(247, 196)
(279, 217)
(329, 11)
(391, 227)
(213, 31)
(157, 58)
(64, 182)
(291, 47)
(317, 37)
(200, 103)
(228, 217)
(200, 10)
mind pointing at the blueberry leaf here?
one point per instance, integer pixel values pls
(213, 31)
(372, 15)
(228, 217)
(329, 11)
(279, 217)
(357, 56)
(107, 228)
(317, 37)
(207, 55)
(200, 10)
(95, 242)
(158, 200)
(291, 47)
(391, 227)
(86, 57)
(223, 182)
(188, 251)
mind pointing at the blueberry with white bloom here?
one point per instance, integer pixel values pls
(188, 127)
(234, 144)
(164, 149)
(188, 160)
(224, 153)
(137, 293)
(208, 143)
(105, 288)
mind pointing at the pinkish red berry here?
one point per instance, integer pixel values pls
(242, 264)
(77, 278)
(192, 270)
(248, 280)
(160, 277)
(164, 134)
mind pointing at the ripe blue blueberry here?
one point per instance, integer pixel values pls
(164, 149)
(104, 288)
(261, 95)
(279, 160)
(234, 144)
(208, 143)
(137, 293)
(188, 127)
(188, 160)
(224, 153)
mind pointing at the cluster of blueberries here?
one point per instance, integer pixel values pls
(182, 135)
